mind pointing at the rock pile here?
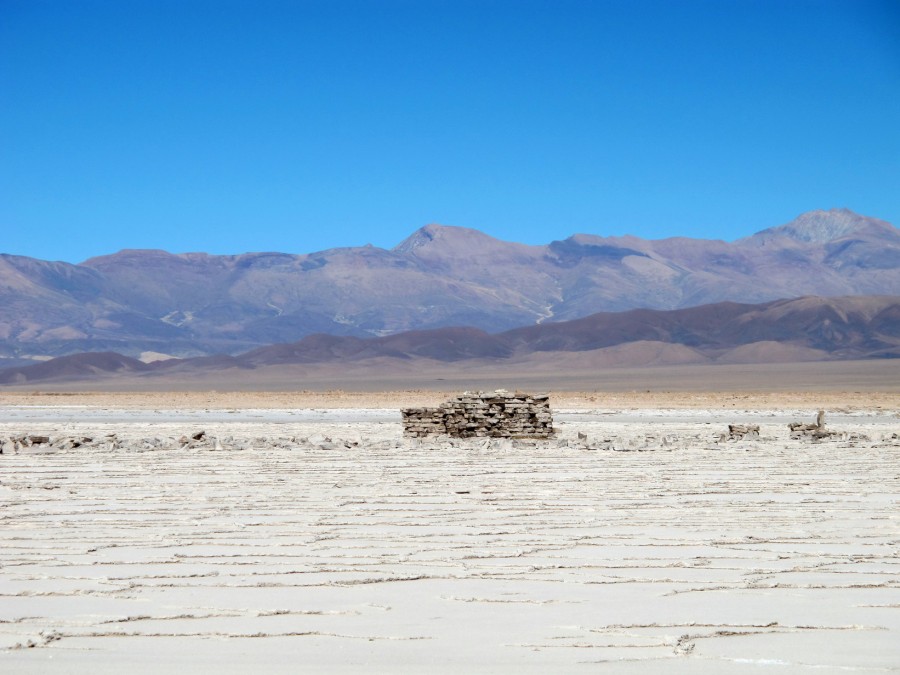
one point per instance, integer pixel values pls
(39, 444)
(496, 415)
(737, 432)
(815, 431)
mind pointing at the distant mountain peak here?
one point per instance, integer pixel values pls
(823, 226)
(446, 235)
(420, 237)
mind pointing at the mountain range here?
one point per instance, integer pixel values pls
(143, 302)
(802, 329)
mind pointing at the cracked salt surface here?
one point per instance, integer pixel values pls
(75, 413)
(324, 541)
(270, 416)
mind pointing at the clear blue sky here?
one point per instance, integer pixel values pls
(227, 126)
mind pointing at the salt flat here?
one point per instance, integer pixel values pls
(323, 541)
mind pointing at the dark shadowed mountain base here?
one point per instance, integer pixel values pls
(705, 342)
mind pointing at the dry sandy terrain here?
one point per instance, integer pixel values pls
(572, 371)
(393, 400)
(321, 540)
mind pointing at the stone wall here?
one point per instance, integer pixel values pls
(496, 415)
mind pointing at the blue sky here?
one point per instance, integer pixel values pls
(229, 126)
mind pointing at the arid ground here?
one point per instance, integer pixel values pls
(301, 532)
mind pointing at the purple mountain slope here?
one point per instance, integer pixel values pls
(197, 304)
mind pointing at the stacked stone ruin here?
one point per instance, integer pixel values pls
(815, 431)
(495, 415)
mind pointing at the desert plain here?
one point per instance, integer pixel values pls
(301, 532)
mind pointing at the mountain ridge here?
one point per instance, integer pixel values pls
(196, 304)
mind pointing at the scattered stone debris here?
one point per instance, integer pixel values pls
(198, 441)
(802, 428)
(22, 442)
(194, 440)
(496, 415)
(71, 442)
(498, 421)
(737, 432)
(816, 431)
(43, 639)
(651, 442)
